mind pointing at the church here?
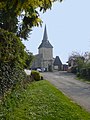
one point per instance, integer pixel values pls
(44, 59)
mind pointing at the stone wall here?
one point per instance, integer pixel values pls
(47, 53)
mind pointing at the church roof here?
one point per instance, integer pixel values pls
(57, 61)
(45, 43)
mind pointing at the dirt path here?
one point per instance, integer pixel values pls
(67, 83)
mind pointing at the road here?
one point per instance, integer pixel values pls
(77, 90)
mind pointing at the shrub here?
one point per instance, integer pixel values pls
(35, 75)
(41, 77)
(12, 59)
(83, 72)
(10, 75)
(11, 48)
(78, 74)
(88, 73)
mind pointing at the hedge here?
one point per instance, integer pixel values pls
(12, 59)
(10, 76)
(84, 73)
(11, 47)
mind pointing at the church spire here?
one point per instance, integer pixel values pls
(45, 38)
(45, 43)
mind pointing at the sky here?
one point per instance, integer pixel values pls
(68, 29)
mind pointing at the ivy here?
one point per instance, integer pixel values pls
(11, 47)
(12, 60)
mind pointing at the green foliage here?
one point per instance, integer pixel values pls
(42, 78)
(80, 62)
(29, 57)
(10, 75)
(88, 73)
(12, 60)
(8, 20)
(27, 10)
(39, 101)
(11, 48)
(82, 65)
(35, 75)
(78, 74)
(84, 73)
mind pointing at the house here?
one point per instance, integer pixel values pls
(57, 65)
(65, 67)
(73, 63)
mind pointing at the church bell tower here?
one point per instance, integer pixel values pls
(46, 50)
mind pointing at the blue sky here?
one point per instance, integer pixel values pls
(68, 29)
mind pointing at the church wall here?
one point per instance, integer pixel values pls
(47, 53)
(47, 63)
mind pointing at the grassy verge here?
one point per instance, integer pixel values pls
(40, 101)
(83, 79)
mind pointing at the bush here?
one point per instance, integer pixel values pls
(78, 74)
(83, 72)
(41, 77)
(11, 48)
(12, 59)
(35, 75)
(88, 73)
(10, 75)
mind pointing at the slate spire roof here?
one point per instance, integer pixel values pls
(45, 37)
(45, 43)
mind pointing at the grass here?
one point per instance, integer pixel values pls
(83, 79)
(40, 101)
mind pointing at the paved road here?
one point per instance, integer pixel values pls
(67, 83)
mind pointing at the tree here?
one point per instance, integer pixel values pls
(76, 61)
(27, 10)
(29, 57)
(12, 56)
(82, 64)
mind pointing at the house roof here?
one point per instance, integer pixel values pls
(57, 61)
(45, 43)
